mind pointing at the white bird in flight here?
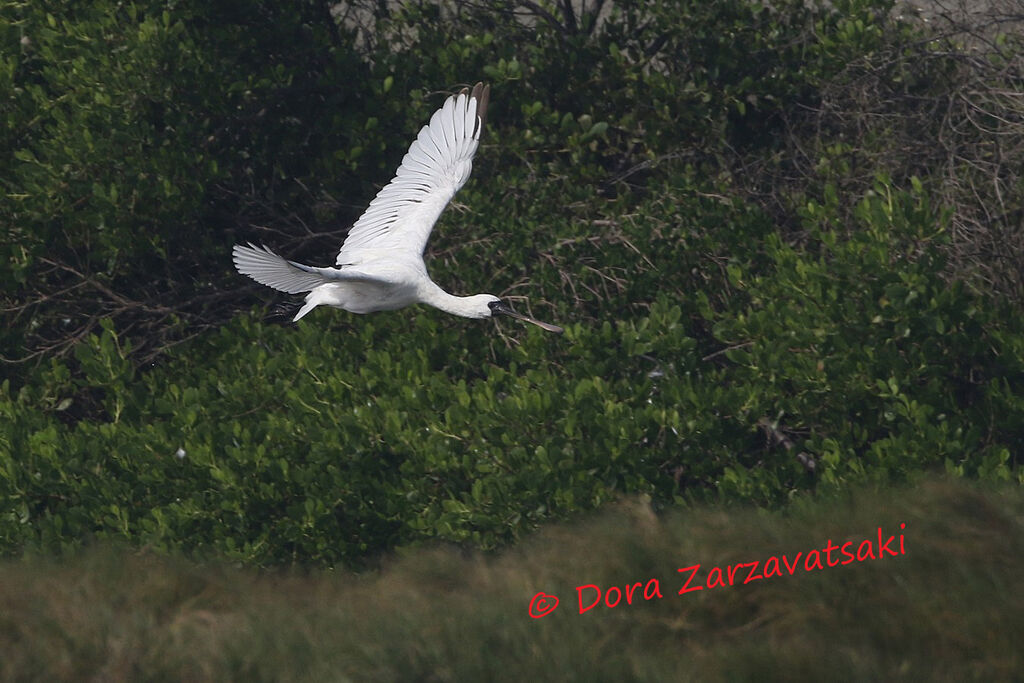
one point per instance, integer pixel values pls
(380, 266)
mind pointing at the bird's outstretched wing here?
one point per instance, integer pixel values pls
(437, 164)
(267, 268)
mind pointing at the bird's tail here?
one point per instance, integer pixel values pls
(267, 268)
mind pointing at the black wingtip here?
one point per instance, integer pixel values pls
(482, 94)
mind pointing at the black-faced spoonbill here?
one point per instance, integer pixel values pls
(380, 266)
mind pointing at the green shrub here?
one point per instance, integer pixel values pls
(140, 137)
(343, 436)
(145, 138)
(727, 336)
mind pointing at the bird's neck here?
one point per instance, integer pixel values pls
(433, 295)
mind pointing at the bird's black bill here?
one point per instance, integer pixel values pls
(505, 309)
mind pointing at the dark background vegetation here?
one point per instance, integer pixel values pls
(785, 241)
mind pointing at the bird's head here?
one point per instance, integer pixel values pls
(495, 306)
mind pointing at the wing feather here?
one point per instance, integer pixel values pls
(267, 268)
(436, 166)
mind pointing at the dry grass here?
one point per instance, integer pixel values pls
(949, 609)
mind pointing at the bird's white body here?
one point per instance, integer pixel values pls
(380, 266)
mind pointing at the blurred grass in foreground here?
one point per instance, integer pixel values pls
(949, 609)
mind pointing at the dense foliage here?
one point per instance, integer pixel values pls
(738, 325)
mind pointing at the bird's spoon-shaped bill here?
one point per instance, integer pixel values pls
(505, 309)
